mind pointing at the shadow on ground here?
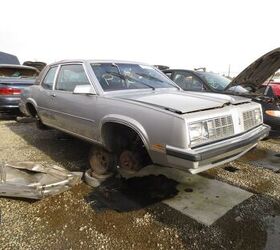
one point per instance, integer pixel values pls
(123, 195)
(61, 148)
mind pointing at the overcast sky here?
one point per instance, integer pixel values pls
(178, 33)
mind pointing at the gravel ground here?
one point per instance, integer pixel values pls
(68, 221)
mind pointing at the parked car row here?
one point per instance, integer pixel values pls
(136, 115)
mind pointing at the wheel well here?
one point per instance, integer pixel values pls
(117, 137)
(31, 109)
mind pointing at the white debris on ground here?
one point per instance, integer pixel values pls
(34, 180)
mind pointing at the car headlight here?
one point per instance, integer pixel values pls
(198, 132)
(275, 113)
(210, 130)
(258, 115)
(252, 118)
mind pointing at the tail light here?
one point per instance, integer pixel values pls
(9, 91)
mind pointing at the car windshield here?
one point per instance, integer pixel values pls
(123, 76)
(17, 72)
(214, 80)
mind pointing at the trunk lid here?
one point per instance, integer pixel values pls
(16, 82)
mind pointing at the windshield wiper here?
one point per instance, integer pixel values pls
(147, 85)
(128, 78)
(149, 77)
(156, 79)
(131, 79)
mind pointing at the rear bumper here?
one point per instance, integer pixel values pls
(212, 155)
(9, 103)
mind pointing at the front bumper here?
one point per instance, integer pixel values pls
(272, 121)
(216, 153)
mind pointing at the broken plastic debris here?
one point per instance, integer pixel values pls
(34, 181)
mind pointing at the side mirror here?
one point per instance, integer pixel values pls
(84, 89)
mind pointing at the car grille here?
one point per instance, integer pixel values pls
(220, 127)
(250, 118)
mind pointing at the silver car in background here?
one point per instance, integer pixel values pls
(135, 115)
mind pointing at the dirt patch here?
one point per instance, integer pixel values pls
(249, 177)
(255, 154)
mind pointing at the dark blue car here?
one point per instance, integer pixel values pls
(13, 79)
(249, 83)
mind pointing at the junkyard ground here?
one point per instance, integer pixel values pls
(70, 221)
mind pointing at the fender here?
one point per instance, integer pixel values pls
(32, 101)
(24, 109)
(129, 122)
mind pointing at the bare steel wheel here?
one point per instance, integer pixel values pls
(130, 161)
(101, 161)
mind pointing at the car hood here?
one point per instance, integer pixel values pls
(259, 71)
(184, 102)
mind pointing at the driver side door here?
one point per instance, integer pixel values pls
(75, 113)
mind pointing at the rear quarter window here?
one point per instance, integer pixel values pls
(48, 81)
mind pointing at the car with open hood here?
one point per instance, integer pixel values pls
(253, 82)
(135, 115)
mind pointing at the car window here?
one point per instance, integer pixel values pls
(216, 81)
(126, 76)
(10, 71)
(70, 76)
(269, 92)
(187, 81)
(49, 78)
(168, 74)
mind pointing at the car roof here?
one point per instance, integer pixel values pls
(96, 61)
(166, 70)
